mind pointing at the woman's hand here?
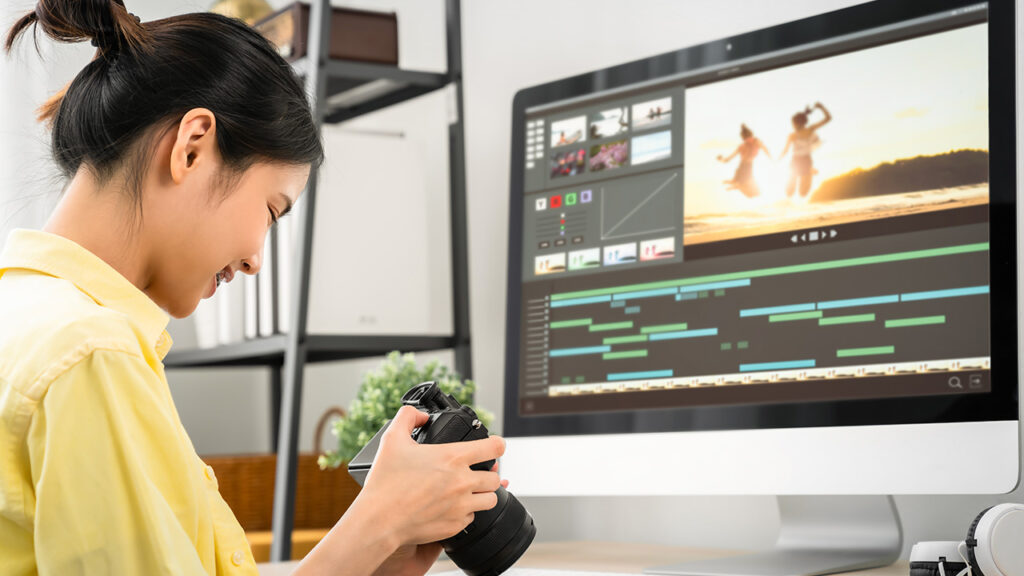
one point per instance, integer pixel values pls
(410, 560)
(415, 495)
(427, 492)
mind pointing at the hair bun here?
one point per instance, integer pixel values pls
(107, 23)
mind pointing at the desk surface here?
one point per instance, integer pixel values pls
(604, 557)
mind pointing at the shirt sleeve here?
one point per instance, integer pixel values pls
(112, 490)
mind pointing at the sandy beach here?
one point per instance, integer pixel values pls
(799, 214)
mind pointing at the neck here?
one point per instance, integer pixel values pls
(96, 218)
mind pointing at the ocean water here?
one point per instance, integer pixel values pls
(798, 213)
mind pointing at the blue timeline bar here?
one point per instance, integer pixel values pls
(640, 375)
(580, 301)
(684, 334)
(579, 351)
(888, 299)
(715, 285)
(777, 365)
(777, 310)
(871, 300)
(645, 294)
(970, 291)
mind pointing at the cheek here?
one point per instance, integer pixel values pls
(242, 230)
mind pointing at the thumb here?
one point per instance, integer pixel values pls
(407, 419)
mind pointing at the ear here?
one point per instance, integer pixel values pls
(195, 144)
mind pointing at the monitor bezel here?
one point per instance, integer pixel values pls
(999, 404)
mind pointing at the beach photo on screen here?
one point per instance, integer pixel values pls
(549, 264)
(620, 254)
(568, 131)
(609, 123)
(581, 259)
(802, 146)
(652, 147)
(657, 249)
(652, 114)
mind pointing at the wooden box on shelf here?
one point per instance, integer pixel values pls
(355, 34)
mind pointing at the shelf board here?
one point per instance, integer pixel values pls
(269, 351)
(357, 88)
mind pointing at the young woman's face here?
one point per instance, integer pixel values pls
(222, 235)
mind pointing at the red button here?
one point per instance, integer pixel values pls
(556, 201)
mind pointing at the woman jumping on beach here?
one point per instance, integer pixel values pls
(803, 139)
(743, 179)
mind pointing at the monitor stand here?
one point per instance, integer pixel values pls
(817, 535)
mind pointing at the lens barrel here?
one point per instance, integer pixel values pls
(494, 540)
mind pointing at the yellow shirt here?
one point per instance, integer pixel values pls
(97, 474)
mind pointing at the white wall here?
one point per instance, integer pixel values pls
(506, 46)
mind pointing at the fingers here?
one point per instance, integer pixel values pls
(485, 481)
(483, 501)
(407, 419)
(474, 451)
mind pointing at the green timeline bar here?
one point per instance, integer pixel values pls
(852, 319)
(780, 270)
(922, 321)
(865, 351)
(625, 339)
(795, 316)
(625, 354)
(663, 328)
(611, 326)
(571, 323)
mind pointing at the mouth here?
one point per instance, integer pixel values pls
(225, 275)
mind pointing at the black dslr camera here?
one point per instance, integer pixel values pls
(496, 538)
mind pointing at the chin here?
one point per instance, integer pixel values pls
(181, 308)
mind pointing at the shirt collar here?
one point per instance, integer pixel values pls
(63, 258)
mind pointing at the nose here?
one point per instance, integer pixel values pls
(252, 264)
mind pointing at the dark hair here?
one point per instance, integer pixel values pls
(800, 118)
(145, 77)
(745, 132)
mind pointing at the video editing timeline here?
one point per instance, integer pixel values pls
(797, 256)
(843, 327)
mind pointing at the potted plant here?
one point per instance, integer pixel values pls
(380, 397)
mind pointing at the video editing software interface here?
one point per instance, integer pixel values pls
(808, 225)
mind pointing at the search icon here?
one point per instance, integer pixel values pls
(954, 382)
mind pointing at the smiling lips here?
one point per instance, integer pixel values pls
(225, 275)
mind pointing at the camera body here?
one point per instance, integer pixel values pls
(449, 422)
(496, 538)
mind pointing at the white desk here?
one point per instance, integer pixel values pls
(603, 556)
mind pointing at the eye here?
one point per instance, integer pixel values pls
(273, 217)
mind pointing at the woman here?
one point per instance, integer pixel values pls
(803, 139)
(743, 179)
(184, 139)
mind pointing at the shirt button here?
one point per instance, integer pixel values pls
(236, 558)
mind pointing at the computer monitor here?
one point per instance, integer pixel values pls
(778, 263)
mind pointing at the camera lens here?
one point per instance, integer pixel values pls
(494, 540)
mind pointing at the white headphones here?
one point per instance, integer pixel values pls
(994, 547)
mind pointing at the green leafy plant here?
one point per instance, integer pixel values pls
(380, 397)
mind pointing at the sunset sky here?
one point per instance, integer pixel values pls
(921, 96)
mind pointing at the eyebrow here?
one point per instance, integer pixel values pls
(287, 203)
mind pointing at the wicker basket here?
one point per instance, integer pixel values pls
(247, 484)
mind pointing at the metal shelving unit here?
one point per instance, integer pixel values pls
(340, 91)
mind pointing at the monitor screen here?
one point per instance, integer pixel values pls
(784, 220)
